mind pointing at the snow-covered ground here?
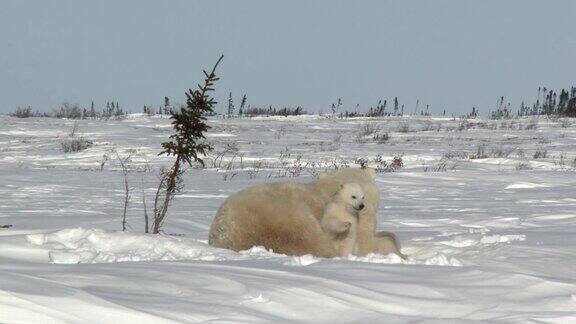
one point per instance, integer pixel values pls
(486, 211)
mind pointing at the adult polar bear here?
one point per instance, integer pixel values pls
(285, 217)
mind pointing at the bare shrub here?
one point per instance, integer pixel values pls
(22, 112)
(464, 124)
(74, 129)
(540, 153)
(385, 166)
(336, 163)
(366, 130)
(522, 166)
(429, 126)
(501, 152)
(512, 124)
(103, 162)
(379, 164)
(229, 175)
(440, 166)
(69, 111)
(455, 155)
(521, 153)
(146, 218)
(328, 146)
(73, 145)
(28, 113)
(230, 149)
(532, 124)
(289, 166)
(381, 138)
(255, 168)
(362, 162)
(565, 122)
(561, 162)
(403, 127)
(279, 133)
(480, 152)
(124, 166)
(543, 140)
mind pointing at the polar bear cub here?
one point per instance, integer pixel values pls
(340, 219)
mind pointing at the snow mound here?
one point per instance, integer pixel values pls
(438, 259)
(525, 185)
(302, 260)
(493, 239)
(466, 241)
(79, 245)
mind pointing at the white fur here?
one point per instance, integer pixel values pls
(340, 219)
(285, 217)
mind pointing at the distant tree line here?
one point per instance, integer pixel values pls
(548, 103)
(248, 111)
(273, 111)
(380, 110)
(73, 111)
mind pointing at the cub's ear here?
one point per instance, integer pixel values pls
(371, 172)
(341, 186)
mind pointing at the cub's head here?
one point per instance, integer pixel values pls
(352, 194)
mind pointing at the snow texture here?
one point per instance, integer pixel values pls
(489, 225)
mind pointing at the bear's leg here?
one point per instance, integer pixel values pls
(387, 242)
(365, 240)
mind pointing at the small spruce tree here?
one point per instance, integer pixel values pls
(186, 144)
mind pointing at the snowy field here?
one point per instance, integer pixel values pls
(486, 211)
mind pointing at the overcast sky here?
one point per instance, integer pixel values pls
(450, 54)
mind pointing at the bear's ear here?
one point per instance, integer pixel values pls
(371, 172)
(341, 186)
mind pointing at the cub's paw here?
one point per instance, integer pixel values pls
(343, 227)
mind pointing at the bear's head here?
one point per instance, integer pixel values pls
(352, 194)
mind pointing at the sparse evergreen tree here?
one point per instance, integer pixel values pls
(242, 105)
(230, 105)
(186, 145)
(92, 110)
(395, 106)
(167, 107)
(118, 112)
(336, 107)
(474, 113)
(523, 111)
(562, 102)
(571, 105)
(379, 111)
